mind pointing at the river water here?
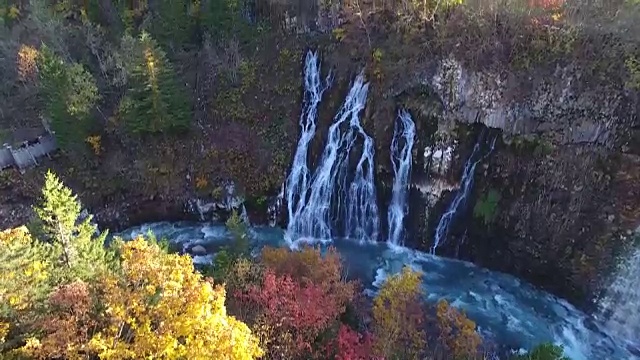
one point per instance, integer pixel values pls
(509, 311)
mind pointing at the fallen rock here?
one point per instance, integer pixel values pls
(198, 250)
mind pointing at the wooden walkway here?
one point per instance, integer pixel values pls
(27, 156)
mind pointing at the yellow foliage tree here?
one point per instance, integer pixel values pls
(159, 307)
(457, 332)
(26, 62)
(21, 276)
(24, 280)
(4, 330)
(398, 317)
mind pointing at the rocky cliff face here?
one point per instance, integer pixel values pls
(554, 202)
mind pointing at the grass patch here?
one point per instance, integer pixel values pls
(486, 206)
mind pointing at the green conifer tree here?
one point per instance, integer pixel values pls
(70, 93)
(227, 256)
(80, 252)
(155, 101)
(221, 18)
(175, 22)
(240, 233)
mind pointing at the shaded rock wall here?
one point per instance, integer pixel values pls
(560, 180)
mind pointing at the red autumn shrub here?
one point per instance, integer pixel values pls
(352, 345)
(310, 266)
(291, 314)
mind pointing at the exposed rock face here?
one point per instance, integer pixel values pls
(558, 106)
(562, 175)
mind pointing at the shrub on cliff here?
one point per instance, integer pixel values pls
(155, 102)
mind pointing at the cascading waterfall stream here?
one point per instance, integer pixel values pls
(329, 186)
(362, 210)
(297, 182)
(466, 184)
(401, 159)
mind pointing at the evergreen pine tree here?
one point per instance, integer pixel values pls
(155, 102)
(221, 18)
(70, 93)
(80, 252)
(240, 233)
(175, 22)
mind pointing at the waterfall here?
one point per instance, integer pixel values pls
(466, 184)
(275, 205)
(362, 211)
(329, 189)
(244, 216)
(297, 182)
(620, 306)
(404, 129)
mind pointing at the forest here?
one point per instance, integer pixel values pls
(65, 293)
(156, 101)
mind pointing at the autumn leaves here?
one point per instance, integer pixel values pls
(64, 295)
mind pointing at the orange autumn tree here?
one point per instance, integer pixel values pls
(67, 326)
(160, 307)
(399, 318)
(457, 332)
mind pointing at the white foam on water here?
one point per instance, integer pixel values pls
(215, 232)
(203, 259)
